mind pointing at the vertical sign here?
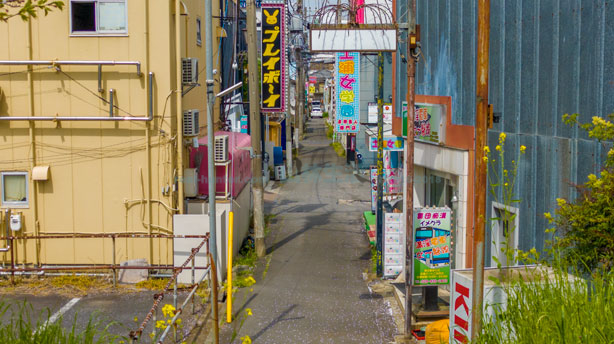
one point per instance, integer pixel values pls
(387, 113)
(428, 124)
(347, 81)
(273, 70)
(372, 113)
(393, 245)
(431, 246)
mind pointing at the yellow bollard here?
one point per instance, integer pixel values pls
(229, 277)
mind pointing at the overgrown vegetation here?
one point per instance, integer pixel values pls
(22, 325)
(338, 147)
(69, 285)
(567, 297)
(586, 225)
(27, 9)
(325, 114)
(330, 130)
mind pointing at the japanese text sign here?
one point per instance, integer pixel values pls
(391, 143)
(273, 57)
(432, 246)
(347, 82)
(427, 122)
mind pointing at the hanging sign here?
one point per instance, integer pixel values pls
(391, 143)
(347, 81)
(372, 113)
(273, 70)
(387, 112)
(432, 246)
(428, 122)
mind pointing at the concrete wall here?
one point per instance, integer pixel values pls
(102, 178)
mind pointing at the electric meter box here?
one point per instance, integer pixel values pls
(15, 223)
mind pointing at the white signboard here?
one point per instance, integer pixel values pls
(342, 40)
(388, 113)
(372, 113)
(393, 244)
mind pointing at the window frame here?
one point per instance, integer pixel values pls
(17, 204)
(199, 37)
(98, 32)
(497, 235)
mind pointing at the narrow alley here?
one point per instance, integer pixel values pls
(311, 288)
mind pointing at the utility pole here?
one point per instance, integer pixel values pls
(409, 166)
(254, 117)
(297, 53)
(480, 185)
(210, 130)
(380, 163)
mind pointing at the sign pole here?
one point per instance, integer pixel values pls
(380, 162)
(409, 167)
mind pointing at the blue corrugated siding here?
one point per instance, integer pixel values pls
(547, 58)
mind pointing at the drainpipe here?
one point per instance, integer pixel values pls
(179, 108)
(31, 128)
(147, 130)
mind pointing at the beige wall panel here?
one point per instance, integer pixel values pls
(58, 251)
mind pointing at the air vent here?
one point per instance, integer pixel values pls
(221, 148)
(190, 122)
(189, 71)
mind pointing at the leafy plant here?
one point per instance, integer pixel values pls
(27, 9)
(586, 224)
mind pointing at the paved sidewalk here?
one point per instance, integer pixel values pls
(310, 288)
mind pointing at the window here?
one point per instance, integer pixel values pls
(98, 16)
(199, 39)
(14, 189)
(504, 233)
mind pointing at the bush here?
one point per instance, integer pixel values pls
(586, 225)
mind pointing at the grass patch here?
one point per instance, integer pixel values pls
(153, 283)
(24, 328)
(70, 285)
(373, 259)
(338, 147)
(329, 131)
(325, 114)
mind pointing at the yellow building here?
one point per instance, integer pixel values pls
(69, 164)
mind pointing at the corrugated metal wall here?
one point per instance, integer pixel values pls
(547, 58)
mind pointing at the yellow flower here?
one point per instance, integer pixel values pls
(136, 319)
(561, 202)
(486, 149)
(246, 340)
(505, 173)
(498, 148)
(168, 310)
(485, 159)
(248, 311)
(160, 324)
(502, 138)
(548, 217)
(523, 148)
(505, 184)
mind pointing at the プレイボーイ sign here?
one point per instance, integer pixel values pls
(273, 70)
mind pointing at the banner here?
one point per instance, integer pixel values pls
(273, 69)
(347, 81)
(432, 246)
(427, 122)
(391, 143)
(373, 189)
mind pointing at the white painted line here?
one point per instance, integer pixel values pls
(61, 311)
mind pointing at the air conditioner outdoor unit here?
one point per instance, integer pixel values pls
(190, 122)
(189, 71)
(221, 148)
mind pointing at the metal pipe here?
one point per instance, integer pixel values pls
(481, 131)
(193, 279)
(7, 223)
(229, 267)
(100, 89)
(75, 62)
(111, 96)
(108, 236)
(95, 267)
(86, 118)
(114, 271)
(179, 108)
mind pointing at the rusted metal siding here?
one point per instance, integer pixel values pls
(547, 58)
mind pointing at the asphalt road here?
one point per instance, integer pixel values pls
(313, 289)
